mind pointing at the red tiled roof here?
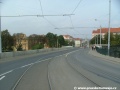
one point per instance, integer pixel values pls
(76, 38)
(67, 36)
(105, 30)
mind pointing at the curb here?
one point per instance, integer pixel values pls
(108, 58)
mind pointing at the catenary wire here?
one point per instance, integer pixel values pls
(76, 6)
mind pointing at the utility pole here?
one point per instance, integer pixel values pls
(97, 40)
(109, 28)
(100, 35)
(100, 30)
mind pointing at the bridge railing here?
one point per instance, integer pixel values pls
(114, 51)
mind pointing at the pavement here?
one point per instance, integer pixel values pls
(105, 57)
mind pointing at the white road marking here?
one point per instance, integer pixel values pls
(26, 65)
(6, 73)
(2, 77)
(23, 66)
(71, 52)
(39, 60)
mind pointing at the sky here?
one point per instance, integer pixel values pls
(84, 14)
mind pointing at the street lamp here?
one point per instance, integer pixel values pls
(109, 27)
(100, 31)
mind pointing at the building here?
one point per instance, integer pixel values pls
(20, 39)
(77, 42)
(104, 31)
(68, 38)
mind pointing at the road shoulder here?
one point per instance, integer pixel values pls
(105, 57)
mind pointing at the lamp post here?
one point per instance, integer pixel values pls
(100, 31)
(109, 28)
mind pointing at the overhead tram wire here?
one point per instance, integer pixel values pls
(55, 27)
(37, 15)
(41, 6)
(71, 22)
(72, 13)
(76, 6)
(52, 15)
(75, 27)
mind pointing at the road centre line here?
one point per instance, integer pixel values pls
(2, 78)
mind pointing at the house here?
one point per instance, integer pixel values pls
(77, 42)
(68, 38)
(104, 31)
(20, 39)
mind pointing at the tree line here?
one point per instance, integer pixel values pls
(114, 39)
(49, 40)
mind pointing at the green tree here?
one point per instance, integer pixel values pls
(34, 40)
(117, 39)
(38, 46)
(61, 41)
(112, 38)
(7, 41)
(51, 39)
(19, 48)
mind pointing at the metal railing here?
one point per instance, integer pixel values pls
(114, 51)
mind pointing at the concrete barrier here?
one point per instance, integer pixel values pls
(29, 52)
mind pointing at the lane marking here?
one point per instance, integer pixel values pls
(2, 78)
(24, 66)
(71, 52)
(39, 60)
(6, 73)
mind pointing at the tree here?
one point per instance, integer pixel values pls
(19, 48)
(34, 40)
(61, 41)
(51, 39)
(117, 39)
(38, 46)
(112, 38)
(7, 41)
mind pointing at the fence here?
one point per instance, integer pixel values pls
(114, 51)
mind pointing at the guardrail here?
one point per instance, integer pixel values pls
(114, 51)
(29, 52)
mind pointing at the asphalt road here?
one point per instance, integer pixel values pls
(12, 71)
(64, 70)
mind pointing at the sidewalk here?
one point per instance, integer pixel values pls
(95, 53)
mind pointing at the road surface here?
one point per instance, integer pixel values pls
(63, 70)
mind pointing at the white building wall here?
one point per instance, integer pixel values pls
(77, 43)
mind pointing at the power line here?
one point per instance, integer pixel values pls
(41, 6)
(37, 15)
(52, 15)
(75, 27)
(53, 25)
(76, 6)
